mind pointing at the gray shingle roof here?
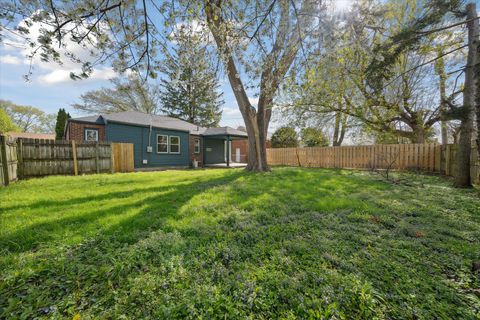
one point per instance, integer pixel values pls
(144, 119)
(91, 119)
(164, 122)
(140, 118)
(224, 131)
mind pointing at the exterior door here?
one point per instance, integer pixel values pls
(237, 155)
(214, 151)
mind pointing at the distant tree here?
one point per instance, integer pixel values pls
(190, 90)
(285, 137)
(49, 123)
(313, 137)
(129, 93)
(62, 117)
(28, 118)
(6, 124)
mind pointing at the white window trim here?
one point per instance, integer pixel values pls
(90, 129)
(170, 143)
(197, 140)
(168, 140)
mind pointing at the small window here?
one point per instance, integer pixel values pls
(91, 134)
(162, 144)
(174, 144)
(197, 146)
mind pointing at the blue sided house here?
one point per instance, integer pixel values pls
(159, 141)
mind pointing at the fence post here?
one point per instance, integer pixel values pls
(20, 157)
(112, 158)
(5, 160)
(447, 160)
(74, 153)
(97, 161)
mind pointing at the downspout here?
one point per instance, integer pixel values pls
(150, 133)
(228, 151)
(204, 150)
(149, 154)
(105, 129)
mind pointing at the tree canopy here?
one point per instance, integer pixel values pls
(284, 137)
(129, 93)
(6, 124)
(384, 69)
(190, 90)
(407, 106)
(62, 117)
(28, 118)
(313, 137)
(257, 42)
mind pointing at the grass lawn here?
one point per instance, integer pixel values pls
(293, 243)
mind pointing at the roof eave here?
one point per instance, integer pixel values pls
(84, 121)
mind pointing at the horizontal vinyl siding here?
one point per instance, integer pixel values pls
(139, 136)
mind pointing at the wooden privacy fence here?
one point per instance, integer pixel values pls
(426, 157)
(40, 157)
(8, 160)
(122, 154)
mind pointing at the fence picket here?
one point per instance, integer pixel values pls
(426, 157)
(41, 157)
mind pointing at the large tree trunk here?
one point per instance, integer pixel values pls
(419, 134)
(462, 174)
(442, 86)
(257, 160)
(256, 138)
(276, 65)
(336, 130)
(477, 80)
(339, 130)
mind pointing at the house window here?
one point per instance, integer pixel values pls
(91, 134)
(197, 146)
(162, 143)
(174, 144)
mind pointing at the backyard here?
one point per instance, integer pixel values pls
(292, 243)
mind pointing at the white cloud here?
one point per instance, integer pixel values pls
(253, 101)
(49, 73)
(234, 112)
(56, 76)
(193, 28)
(105, 74)
(62, 76)
(231, 112)
(343, 5)
(9, 59)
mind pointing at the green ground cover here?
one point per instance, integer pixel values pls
(293, 243)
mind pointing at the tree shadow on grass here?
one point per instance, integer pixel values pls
(158, 207)
(218, 245)
(54, 204)
(396, 252)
